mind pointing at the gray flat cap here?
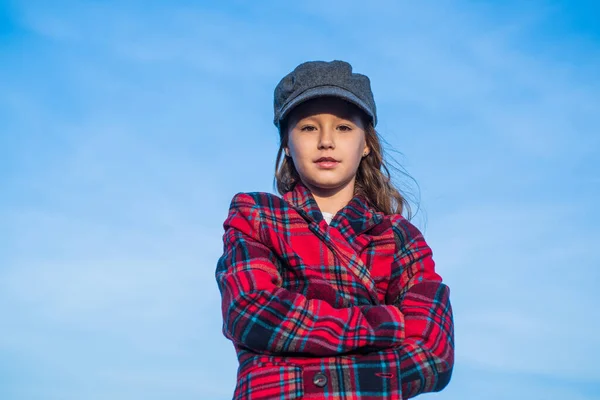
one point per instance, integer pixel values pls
(314, 79)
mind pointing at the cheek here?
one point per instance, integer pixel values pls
(300, 149)
(355, 148)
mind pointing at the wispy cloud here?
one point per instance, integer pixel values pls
(130, 128)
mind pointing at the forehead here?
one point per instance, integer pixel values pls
(325, 105)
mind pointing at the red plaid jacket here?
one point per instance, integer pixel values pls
(351, 310)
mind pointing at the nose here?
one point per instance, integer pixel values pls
(326, 139)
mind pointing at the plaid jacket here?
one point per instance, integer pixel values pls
(351, 310)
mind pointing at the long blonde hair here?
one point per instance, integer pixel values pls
(373, 179)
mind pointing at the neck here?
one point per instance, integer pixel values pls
(334, 199)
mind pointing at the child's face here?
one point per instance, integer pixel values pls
(326, 127)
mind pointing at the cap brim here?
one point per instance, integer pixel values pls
(324, 91)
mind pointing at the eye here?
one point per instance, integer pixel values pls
(308, 128)
(345, 128)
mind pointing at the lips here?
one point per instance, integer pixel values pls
(327, 163)
(327, 159)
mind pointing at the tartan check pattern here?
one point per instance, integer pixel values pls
(357, 302)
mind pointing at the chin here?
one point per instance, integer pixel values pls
(327, 184)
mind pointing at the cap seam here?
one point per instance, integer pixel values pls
(314, 87)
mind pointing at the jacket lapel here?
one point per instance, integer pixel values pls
(346, 235)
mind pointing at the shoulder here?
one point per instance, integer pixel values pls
(410, 245)
(246, 213)
(404, 230)
(256, 201)
(256, 207)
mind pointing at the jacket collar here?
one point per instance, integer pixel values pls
(356, 217)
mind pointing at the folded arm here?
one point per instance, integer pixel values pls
(427, 351)
(263, 317)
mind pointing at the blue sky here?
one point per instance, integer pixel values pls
(126, 128)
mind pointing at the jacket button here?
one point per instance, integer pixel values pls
(320, 379)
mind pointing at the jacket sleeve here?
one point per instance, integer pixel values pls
(261, 316)
(427, 351)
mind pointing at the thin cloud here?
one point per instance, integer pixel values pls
(136, 125)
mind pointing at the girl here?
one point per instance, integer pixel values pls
(329, 292)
